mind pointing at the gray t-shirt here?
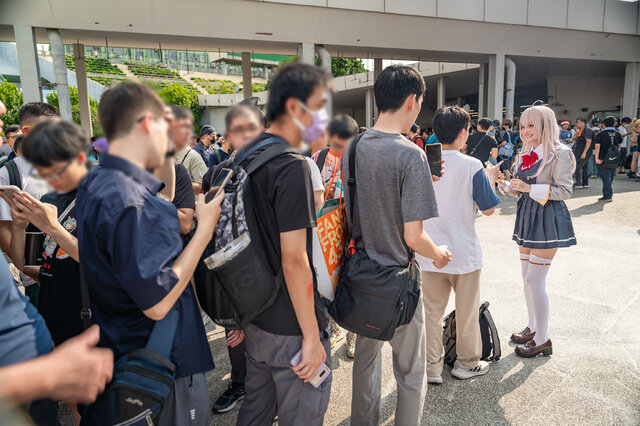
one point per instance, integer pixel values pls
(393, 186)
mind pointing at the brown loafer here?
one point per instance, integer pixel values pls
(523, 337)
(530, 349)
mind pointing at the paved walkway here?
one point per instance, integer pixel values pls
(593, 376)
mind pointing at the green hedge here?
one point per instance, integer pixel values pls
(146, 70)
(95, 65)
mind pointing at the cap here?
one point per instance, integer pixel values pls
(595, 122)
(567, 122)
(102, 145)
(207, 130)
(496, 123)
(414, 127)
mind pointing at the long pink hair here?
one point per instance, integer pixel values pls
(544, 120)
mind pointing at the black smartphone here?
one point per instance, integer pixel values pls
(434, 157)
(220, 182)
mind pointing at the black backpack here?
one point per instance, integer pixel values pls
(235, 290)
(14, 174)
(612, 156)
(488, 334)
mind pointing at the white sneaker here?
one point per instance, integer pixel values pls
(462, 372)
(434, 380)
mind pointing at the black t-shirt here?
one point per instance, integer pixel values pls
(581, 142)
(605, 138)
(184, 198)
(284, 202)
(60, 298)
(484, 143)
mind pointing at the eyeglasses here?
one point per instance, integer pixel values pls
(244, 129)
(53, 176)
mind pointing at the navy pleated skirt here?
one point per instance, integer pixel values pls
(543, 227)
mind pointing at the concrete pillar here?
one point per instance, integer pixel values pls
(60, 70)
(631, 89)
(28, 63)
(496, 86)
(377, 69)
(265, 72)
(325, 56)
(83, 88)
(225, 68)
(440, 91)
(306, 53)
(511, 87)
(368, 108)
(481, 90)
(246, 75)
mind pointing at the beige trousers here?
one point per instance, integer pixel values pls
(436, 288)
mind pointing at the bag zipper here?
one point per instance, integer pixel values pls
(142, 371)
(146, 414)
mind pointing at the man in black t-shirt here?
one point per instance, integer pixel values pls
(606, 138)
(284, 202)
(481, 145)
(582, 148)
(184, 199)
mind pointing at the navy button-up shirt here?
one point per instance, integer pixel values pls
(128, 240)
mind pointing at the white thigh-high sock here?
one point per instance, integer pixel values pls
(537, 280)
(524, 261)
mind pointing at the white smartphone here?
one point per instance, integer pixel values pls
(7, 192)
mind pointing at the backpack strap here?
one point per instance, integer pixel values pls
(163, 334)
(352, 176)
(495, 339)
(245, 152)
(268, 155)
(321, 158)
(14, 174)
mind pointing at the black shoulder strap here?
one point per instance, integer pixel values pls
(218, 156)
(245, 152)
(352, 176)
(268, 155)
(495, 338)
(322, 158)
(475, 148)
(14, 174)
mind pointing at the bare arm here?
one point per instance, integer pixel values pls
(586, 147)
(185, 216)
(5, 235)
(197, 187)
(494, 152)
(18, 241)
(167, 174)
(318, 198)
(299, 279)
(420, 242)
(185, 264)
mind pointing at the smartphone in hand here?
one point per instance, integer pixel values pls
(220, 182)
(321, 375)
(434, 157)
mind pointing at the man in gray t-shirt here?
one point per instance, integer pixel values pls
(394, 194)
(394, 186)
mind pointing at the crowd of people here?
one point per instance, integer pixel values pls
(109, 240)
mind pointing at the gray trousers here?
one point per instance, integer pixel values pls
(409, 367)
(273, 388)
(188, 404)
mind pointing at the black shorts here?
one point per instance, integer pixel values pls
(506, 165)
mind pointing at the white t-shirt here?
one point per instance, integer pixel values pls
(463, 186)
(623, 131)
(34, 186)
(316, 178)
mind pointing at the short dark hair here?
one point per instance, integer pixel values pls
(362, 129)
(395, 84)
(53, 140)
(35, 110)
(507, 123)
(294, 80)
(484, 123)
(17, 142)
(448, 122)
(626, 120)
(11, 129)
(181, 113)
(343, 127)
(584, 120)
(121, 105)
(609, 121)
(242, 109)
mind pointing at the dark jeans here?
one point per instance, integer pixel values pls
(606, 174)
(581, 175)
(238, 362)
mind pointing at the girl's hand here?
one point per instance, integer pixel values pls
(520, 186)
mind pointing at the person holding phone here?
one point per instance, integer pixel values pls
(543, 180)
(467, 184)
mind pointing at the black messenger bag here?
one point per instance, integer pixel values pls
(372, 300)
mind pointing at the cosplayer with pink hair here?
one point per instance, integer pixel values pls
(543, 179)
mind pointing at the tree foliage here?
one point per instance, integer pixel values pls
(52, 99)
(339, 66)
(11, 96)
(179, 94)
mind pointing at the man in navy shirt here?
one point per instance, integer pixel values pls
(131, 250)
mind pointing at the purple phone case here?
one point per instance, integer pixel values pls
(323, 371)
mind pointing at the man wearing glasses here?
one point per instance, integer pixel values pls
(10, 133)
(181, 136)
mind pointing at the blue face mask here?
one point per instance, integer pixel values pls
(317, 128)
